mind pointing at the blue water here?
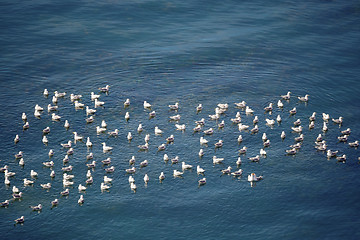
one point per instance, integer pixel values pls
(192, 52)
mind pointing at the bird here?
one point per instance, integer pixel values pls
(209, 131)
(103, 124)
(144, 163)
(19, 155)
(223, 105)
(255, 120)
(98, 103)
(16, 139)
(255, 129)
(129, 136)
(81, 200)
(341, 158)
(219, 144)
(313, 116)
(60, 94)
(91, 165)
(180, 127)
(158, 131)
(88, 143)
(237, 173)
(88, 174)
(140, 128)
(197, 128)
(90, 156)
(325, 117)
(130, 170)
(107, 179)
(175, 160)
(15, 189)
(37, 114)
(238, 162)
(24, 117)
(203, 141)
(331, 154)
(243, 127)
(297, 122)
(269, 108)
(304, 99)
(185, 166)
(325, 127)
(33, 174)
(161, 176)
(200, 122)
(28, 182)
(264, 137)
(243, 150)
(52, 174)
(81, 188)
(143, 147)
(222, 124)
(152, 114)
(354, 144)
(38, 108)
(66, 145)
(106, 161)
(202, 181)
(66, 124)
(127, 116)
(287, 96)
(104, 89)
(199, 170)
(20, 220)
(45, 92)
(311, 125)
(147, 105)
(26, 126)
(217, 160)
(78, 105)
(199, 107)
(253, 178)
(65, 192)
(54, 100)
(104, 187)
(227, 170)
(170, 139)
(45, 140)
(175, 117)
(174, 107)
(127, 102)
(146, 178)
(214, 116)
(255, 159)
(4, 204)
(132, 160)
(177, 173)
(52, 108)
(201, 152)
(240, 139)
(280, 104)
(106, 148)
(293, 111)
(70, 151)
(133, 186)
(241, 104)
(346, 132)
(262, 152)
(74, 97)
(297, 129)
(55, 117)
(338, 121)
(55, 202)
(300, 138)
(90, 111)
(278, 119)
(162, 147)
(248, 110)
(46, 185)
(94, 96)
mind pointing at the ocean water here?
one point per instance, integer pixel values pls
(191, 52)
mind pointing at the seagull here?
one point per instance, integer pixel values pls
(38, 108)
(199, 170)
(297, 129)
(222, 124)
(200, 122)
(81, 188)
(67, 169)
(170, 139)
(94, 96)
(127, 103)
(166, 157)
(104, 89)
(131, 170)
(199, 107)
(146, 178)
(127, 116)
(70, 151)
(255, 159)
(254, 178)
(174, 107)
(162, 147)
(91, 165)
(26, 125)
(4, 204)
(89, 180)
(255, 129)
(162, 176)
(240, 139)
(278, 119)
(106, 148)
(90, 111)
(48, 164)
(343, 138)
(243, 127)
(144, 147)
(15, 189)
(280, 104)
(219, 144)
(209, 131)
(66, 145)
(28, 182)
(107, 179)
(98, 103)
(177, 173)
(46, 92)
(144, 163)
(248, 110)
(292, 111)
(180, 127)
(354, 144)
(78, 105)
(341, 158)
(312, 117)
(237, 173)
(147, 138)
(60, 94)
(175, 118)
(217, 160)
(158, 131)
(262, 152)
(304, 99)
(201, 152)
(202, 181)
(129, 136)
(104, 187)
(326, 117)
(269, 108)
(52, 108)
(147, 105)
(203, 141)
(24, 117)
(140, 128)
(338, 121)
(185, 166)
(81, 200)
(286, 97)
(54, 100)
(66, 124)
(346, 132)
(74, 97)
(16, 139)
(325, 128)
(20, 220)
(55, 117)
(55, 202)
(243, 150)
(291, 151)
(45, 140)
(297, 122)
(197, 128)
(311, 125)
(214, 117)
(65, 192)
(46, 185)
(88, 143)
(77, 137)
(133, 186)
(238, 162)
(37, 114)
(227, 170)
(269, 122)
(331, 154)
(175, 160)
(17, 195)
(240, 104)
(90, 156)
(300, 138)
(152, 114)
(256, 120)
(52, 174)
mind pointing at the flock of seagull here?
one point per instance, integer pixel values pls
(320, 143)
